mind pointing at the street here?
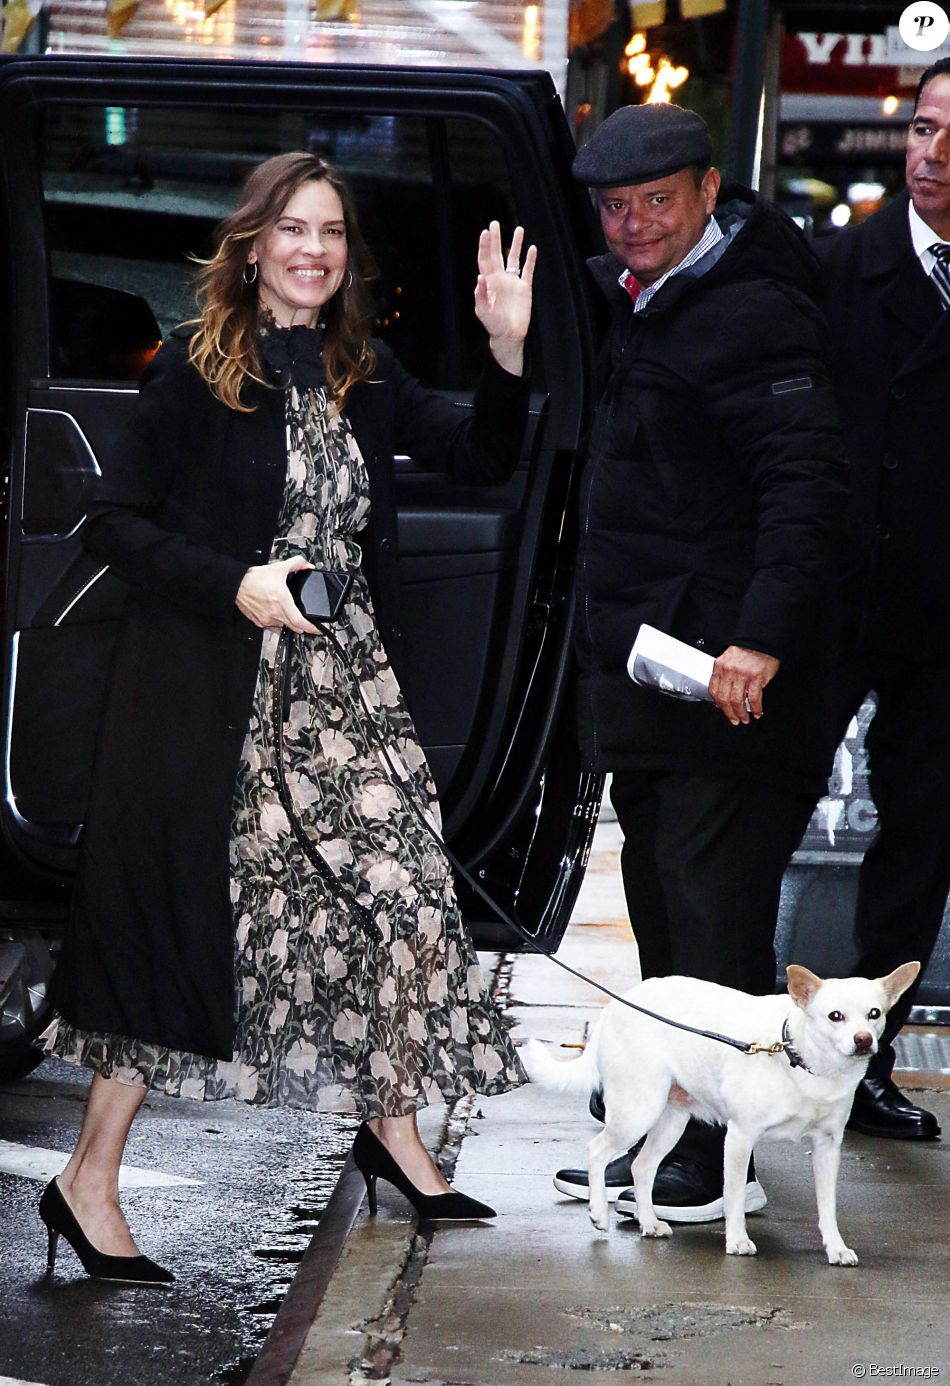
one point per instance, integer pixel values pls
(233, 1238)
(534, 1297)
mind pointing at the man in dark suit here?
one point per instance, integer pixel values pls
(887, 291)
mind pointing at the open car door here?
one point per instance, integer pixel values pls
(113, 174)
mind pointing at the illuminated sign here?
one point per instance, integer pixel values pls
(834, 142)
(845, 64)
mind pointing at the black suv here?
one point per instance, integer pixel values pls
(113, 173)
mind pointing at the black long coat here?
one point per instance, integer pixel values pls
(890, 353)
(189, 499)
(712, 505)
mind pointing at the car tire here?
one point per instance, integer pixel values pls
(18, 1060)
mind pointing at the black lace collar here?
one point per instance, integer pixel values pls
(293, 355)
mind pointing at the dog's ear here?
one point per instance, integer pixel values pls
(802, 984)
(897, 982)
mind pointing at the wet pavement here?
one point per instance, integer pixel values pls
(539, 1298)
(535, 1298)
(234, 1240)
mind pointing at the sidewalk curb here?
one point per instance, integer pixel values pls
(294, 1320)
(346, 1310)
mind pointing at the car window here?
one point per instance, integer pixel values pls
(132, 195)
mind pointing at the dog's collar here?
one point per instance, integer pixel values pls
(791, 1053)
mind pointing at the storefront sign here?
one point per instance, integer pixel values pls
(837, 142)
(898, 51)
(845, 64)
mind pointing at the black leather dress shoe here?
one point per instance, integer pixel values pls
(881, 1109)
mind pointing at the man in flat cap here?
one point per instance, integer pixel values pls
(711, 508)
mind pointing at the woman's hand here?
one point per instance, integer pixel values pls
(264, 599)
(503, 295)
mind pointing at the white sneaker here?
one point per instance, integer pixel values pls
(755, 1201)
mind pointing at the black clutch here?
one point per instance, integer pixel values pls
(319, 593)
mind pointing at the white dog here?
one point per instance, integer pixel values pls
(655, 1077)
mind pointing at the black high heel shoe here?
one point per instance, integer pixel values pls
(374, 1161)
(61, 1221)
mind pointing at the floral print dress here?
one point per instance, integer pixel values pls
(373, 1009)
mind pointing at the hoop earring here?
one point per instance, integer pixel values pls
(252, 266)
(349, 279)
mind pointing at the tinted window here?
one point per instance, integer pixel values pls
(133, 194)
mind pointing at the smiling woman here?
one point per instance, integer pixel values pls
(292, 256)
(259, 913)
(301, 259)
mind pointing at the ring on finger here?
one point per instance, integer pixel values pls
(511, 269)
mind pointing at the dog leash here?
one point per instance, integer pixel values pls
(326, 872)
(322, 867)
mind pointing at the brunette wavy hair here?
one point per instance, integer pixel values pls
(225, 348)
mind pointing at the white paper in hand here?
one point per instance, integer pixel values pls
(669, 665)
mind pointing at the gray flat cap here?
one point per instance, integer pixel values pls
(639, 143)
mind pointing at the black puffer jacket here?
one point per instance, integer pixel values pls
(713, 499)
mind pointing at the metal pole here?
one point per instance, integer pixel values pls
(747, 89)
(765, 183)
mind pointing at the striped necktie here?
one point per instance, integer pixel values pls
(940, 274)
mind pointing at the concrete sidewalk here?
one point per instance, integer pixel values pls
(539, 1295)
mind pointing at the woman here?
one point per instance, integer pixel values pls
(219, 944)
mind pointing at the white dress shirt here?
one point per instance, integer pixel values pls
(923, 237)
